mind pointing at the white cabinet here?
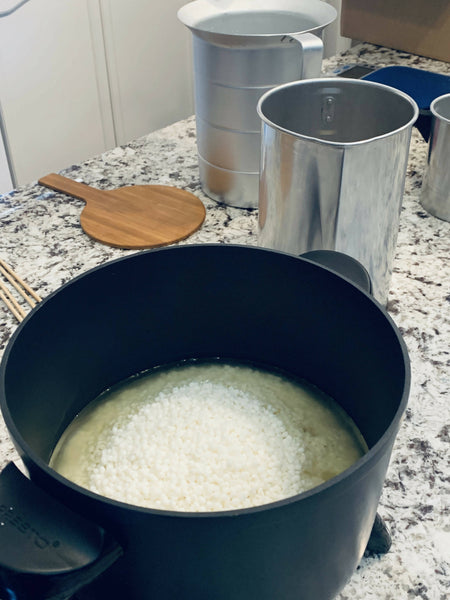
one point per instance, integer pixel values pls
(52, 89)
(6, 183)
(78, 77)
(81, 76)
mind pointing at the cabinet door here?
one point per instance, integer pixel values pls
(53, 86)
(149, 64)
(6, 183)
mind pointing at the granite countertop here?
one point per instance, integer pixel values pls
(40, 237)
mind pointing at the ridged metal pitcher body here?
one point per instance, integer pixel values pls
(333, 166)
(242, 49)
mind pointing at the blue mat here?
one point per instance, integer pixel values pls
(422, 86)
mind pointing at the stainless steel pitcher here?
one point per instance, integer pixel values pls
(333, 166)
(242, 48)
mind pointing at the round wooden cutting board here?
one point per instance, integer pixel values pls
(132, 217)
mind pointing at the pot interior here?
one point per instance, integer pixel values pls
(163, 306)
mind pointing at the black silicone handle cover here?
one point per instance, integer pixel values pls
(47, 551)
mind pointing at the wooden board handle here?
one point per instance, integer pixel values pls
(69, 186)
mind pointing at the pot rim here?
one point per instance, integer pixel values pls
(26, 451)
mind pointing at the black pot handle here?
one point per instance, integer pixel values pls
(380, 538)
(342, 264)
(47, 552)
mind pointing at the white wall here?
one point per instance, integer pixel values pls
(149, 64)
(333, 41)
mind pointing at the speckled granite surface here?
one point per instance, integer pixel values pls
(41, 238)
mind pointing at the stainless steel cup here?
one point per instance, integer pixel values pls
(333, 166)
(242, 48)
(435, 196)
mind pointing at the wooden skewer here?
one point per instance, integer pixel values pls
(14, 279)
(24, 290)
(11, 303)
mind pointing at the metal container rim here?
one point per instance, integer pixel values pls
(345, 82)
(434, 107)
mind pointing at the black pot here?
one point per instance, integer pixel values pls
(164, 306)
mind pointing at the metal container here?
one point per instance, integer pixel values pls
(333, 165)
(435, 197)
(241, 50)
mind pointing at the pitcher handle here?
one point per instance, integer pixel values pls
(312, 51)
